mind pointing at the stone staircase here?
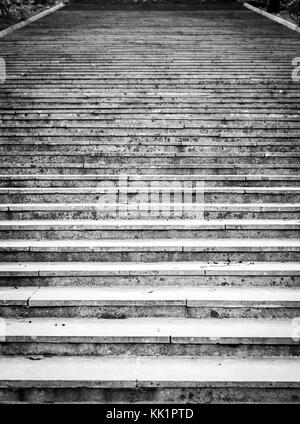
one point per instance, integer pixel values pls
(107, 110)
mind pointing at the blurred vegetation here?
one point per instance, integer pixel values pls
(12, 11)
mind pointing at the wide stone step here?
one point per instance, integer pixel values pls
(170, 140)
(142, 78)
(166, 94)
(150, 336)
(182, 273)
(137, 123)
(36, 105)
(67, 168)
(120, 85)
(87, 169)
(166, 145)
(173, 115)
(151, 301)
(101, 181)
(189, 78)
(110, 150)
(140, 159)
(95, 211)
(201, 194)
(150, 250)
(144, 130)
(156, 379)
(147, 228)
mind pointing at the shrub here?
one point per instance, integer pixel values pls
(293, 7)
(16, 10)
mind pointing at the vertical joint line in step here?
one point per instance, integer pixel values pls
(28, 300)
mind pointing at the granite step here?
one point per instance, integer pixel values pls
(123, 194)
(150, 337)
(110, 149)
(148, 229)
(145, 80)
(155, 379)
(101, 181)
(150, 250)
(172, 115)
(149, 301)
(57, 167)
(146, 160)
(98, 211)
(73, 105)
(170, 273)
(205, 169)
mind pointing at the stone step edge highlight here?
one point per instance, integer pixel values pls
(179, 269)
(150, 330)
(140, 189)
(152, 245)
(272, 17)
(126, 224)
(51, 297)
(151, 372)
(86, 156)
(28, 21)
(145, 177)
(277, 207)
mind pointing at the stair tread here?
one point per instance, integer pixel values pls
(145, 206)
(138, 189)
(120, 224)
(178, 244)
(163, 330)
(148, 371)
(154, 268)
(132, 177)
(169, 295)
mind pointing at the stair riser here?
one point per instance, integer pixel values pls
(115, 149)
(145, 234)
(146, 280)
(245, 95)
(235, 393)
(142, 161)
(135, 199)
(31, 104)
(139, 311)
(68, 81)
(56, 82)
(159, 139)
(143, 127)
(147, 349)
(75, 214)
(210, 169)
(61, 183)
(161, 256)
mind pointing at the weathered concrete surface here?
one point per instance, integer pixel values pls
(149, 330)
(35, 269)
(147, 372)
(96, 296)
(181, 301)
